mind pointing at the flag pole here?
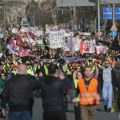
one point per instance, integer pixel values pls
(98, 15)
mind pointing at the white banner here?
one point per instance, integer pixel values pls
(1, 35)
(57, 39)
(76, 44)
(87, 47)
(38, 33)
(15, 30)
(101, 49)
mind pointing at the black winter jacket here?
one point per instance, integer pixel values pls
(18, 92)
(113, 75)
(53, 90)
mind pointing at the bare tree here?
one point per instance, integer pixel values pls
(48, 6)
(15, 10)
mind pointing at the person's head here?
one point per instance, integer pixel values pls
(28, 66)
(106, 64)
(97, 68)
(90, 58)
(52, 69)
(58, 73)
(41, 63)
(90, 63)
(79, 75)
(3, 76)
(78, 68)
(88, 72)
(22, 69)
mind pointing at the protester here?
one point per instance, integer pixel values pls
(118, 96)
(67, 84)
(96, 72)
(18, 93)
(108, 78)
(89, 90)
(53, 90)
(75, 96)
(71, 51)
(3, 80)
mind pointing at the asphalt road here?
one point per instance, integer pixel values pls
(101, 115)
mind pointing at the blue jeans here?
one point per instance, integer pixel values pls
(21, 115)
(107, 94)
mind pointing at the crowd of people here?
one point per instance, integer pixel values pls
(87, 77)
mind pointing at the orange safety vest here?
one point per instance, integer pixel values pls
(88, 96)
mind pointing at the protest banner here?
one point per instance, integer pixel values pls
(24, 53)
(76, 44)
(87, 47)
(57, 39)
(1, 35)
(38, 41)
(14, 30)
(85, 33)
(101, 49)
(38, 33)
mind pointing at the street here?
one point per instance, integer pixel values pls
(101, 115)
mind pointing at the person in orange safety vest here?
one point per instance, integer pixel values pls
(90, 91)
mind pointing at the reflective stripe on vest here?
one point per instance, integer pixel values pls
(90, 99)
(46, 70)
(88, 96)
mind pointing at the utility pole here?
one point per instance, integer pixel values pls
(98, 15)
(113, 13)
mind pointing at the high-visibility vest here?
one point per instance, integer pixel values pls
(75, 88)
(88, 96)
(93, 68)
(67, 69)
(14, 72)
(58, 65)
(30, 72)
(46, 70)
(76, 83)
